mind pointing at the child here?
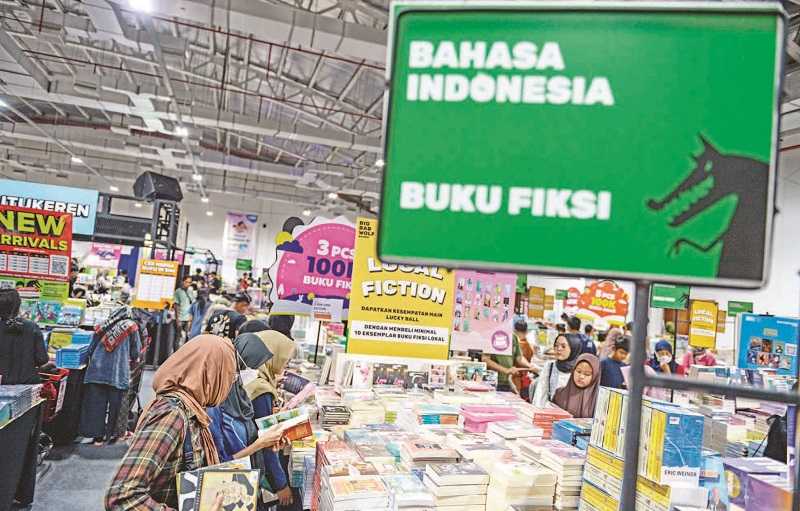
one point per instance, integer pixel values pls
(611, 367)
(579, 395)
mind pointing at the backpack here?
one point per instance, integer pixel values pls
(776, 439)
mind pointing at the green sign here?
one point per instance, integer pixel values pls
(736, 308)
(666, 296)
(526, 121)
(561, 294)
(244, 265)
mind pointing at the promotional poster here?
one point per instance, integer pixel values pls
(103, 255)
(703, 324)
(483, 312)
(78, 202)
(156, 284)
(239, 244)
(403, 311)
(313, 262)
(768, 342)
(35, 244)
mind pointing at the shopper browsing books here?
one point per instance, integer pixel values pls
(663, 360)
(172, 435)
(611, 366)
(510, 367)
(282, 323)
(225, 323)
(198, 312)
(263, 391)
(556, 373)
(607, 346)
(574, 328)
(233, 422)
(579, 395)
(115, 345)
(22, 348)
(698, 357)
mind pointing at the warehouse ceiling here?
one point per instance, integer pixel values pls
(277, 99)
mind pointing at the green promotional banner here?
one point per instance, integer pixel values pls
(244, 265)
(666, 296)
(561, 294)
(736, 308)
(528, 121)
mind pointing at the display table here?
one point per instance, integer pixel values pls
(63, 429)
(20, 441)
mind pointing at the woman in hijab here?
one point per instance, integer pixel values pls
(263, 391)
(556, 373)
(233, 422)
(225, 323)
(282, 323)
(663, 360)
(579, 395)
(173, 433)
(22, 348)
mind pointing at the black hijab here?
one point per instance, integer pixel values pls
(283, 324)
(575, 345)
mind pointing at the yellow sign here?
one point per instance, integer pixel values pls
(536, 302)
(156, 287)
(397, 310)
(549, 302)
(722, 317)
(703, 324)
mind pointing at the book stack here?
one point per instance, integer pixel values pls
(533, 448)
(509, 431)
(408, 493)
(334, 415)
(329, 453)
(478, 417)
(739, 470)
(418, 453)
(366, 412)
(307, 490)
(671, 445)
(575, 432)
(355, 493)
(544, 418)
(301, 449)
(73, 356)
(520, 484)
(457, 486)
(375, 453)
(436, 414)
(18, 399)
(567, 463)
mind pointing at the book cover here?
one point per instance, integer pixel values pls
(293, 382)
(449, 474)
(416, 379)
(361, 374)
(198, 490)
(438, 375)
(453, 491)
(357, 487)
(390, 374)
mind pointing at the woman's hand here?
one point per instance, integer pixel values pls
(270, 438)
(285, 496)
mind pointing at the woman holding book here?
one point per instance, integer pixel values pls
(556, 373)
(579, 395)
(263, 391)
(173, 434)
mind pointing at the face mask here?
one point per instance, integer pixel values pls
(248, 375)
(665, 359)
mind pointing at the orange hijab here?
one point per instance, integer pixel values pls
(200, 374)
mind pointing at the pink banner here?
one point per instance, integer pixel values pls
(483, 314)
(103, 255)
(314, 261)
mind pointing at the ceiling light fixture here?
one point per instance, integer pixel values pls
(141, 5)
(197, 177)
(75, 159)
(379, 163)
(204, 200)
(181, 131)
(137, 204)
(209, 213)
(306, 212)
(114, 188)
(333, 195)
(3, 104)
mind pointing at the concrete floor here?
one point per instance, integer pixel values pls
(79, 474)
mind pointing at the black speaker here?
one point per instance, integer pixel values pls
(152, 186)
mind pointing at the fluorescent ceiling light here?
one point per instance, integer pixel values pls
(181, 131)
(197, 177)
(75, 159)
(209, 213)
(3, 104)
(113, 188)
(379, 163)
(333, 195)
(204, 200)
(141, 5)
(137, 204)
(306, 212)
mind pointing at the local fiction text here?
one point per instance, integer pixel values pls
(488, 200)
(405, 288)
(556, 89)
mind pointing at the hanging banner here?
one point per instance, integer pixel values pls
(79, 202)
(735, 308)
(156, 284)
(35, 244)
(571, 301)
(536, 302)
(722, 317)
(768, 342)
(403, 311)
(528, 128)
(668, 296)
(561, 294)
(313, 261)
(603, 300)
(482, 312)
(549, 302)
(239, 244)
(103, 255)
(702, 324)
